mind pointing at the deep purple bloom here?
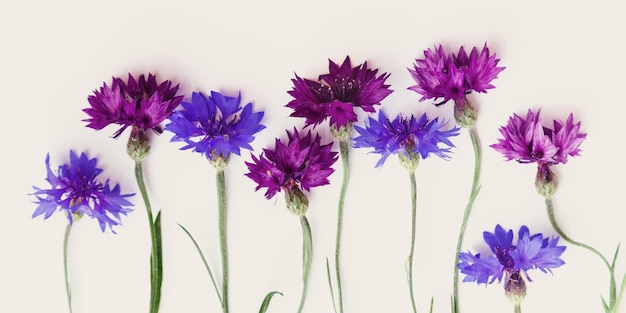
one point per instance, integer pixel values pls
(336, 94)
(299, 164)
(215, 126)
(450, 77)
(76, 190)
(405, 135)
(508, 260)
(526, 140)
(139, 103)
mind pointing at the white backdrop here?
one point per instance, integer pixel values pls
(560, 56)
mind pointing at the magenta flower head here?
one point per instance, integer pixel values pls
(444, 77)
(526, 140)
(215, 126)
(300, 164)
(511, 261)
(410, 137)
(337, 93)
(76, 190)
(142, 104)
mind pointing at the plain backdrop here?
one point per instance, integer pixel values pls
(561, 57)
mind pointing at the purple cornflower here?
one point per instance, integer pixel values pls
(526, 140)
(511, 261)
(450, 76)
(141, 103)
(409, 137)
(76, 190)
(337, 94)
(215, 126)
(299, 164)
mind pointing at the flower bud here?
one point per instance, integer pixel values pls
(297, 201)
(546, 181)
(465, 113)
(138, 145)
(515, 288)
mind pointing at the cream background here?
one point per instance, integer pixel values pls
(561, 56)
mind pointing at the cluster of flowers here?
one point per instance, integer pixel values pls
(217, 126)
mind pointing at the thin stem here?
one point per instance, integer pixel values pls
(344, 151)
(221, 211)
(206, 264)
(468, 209)
(68, 228)
(155, 258)
(557, 228)
(413, 218)
(518, 308)
(307, 256)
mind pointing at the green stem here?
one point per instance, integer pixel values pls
(307, 257)
(413, 218)
(468, 209)
(518, 308)
(344, 151)
(221, 211)
(557, 228)
(155, 255)
(67, 281)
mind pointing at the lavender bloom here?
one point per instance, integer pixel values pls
(451, 77)
(410, 137)
(215, 126)
(527, 141)
(76, 190)
(139, 103)
(302, 163)
(511, 261)
(337, 93)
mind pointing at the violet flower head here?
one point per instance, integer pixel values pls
(215, 126)
(76, 190)
(450, 77)
(337, 93)
(410, 137)
(300, 164)
(140, 103)
(511, 261)
(526, 140)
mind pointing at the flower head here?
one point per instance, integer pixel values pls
(215, 126)
(511, 261)
(75, 189)
(526, 140)
(141, 103)
(409, 137)
(450, 77)
(337, 93)
(298, 165)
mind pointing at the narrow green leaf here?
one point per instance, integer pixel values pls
(606, 307)
(615, 256)
(432, 304)
(330, 285)
(206, 264)
(159, 252)
(266, 301)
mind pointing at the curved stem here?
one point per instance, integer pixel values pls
(557, 228)
(307, 256)
(413, 218)
(66, 237)
(221, 212)
(344, 151)
(155, 235)
(468, 209)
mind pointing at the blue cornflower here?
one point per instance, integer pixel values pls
(211, 125)
(510, 261)
(409, 137)
(76, 190)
